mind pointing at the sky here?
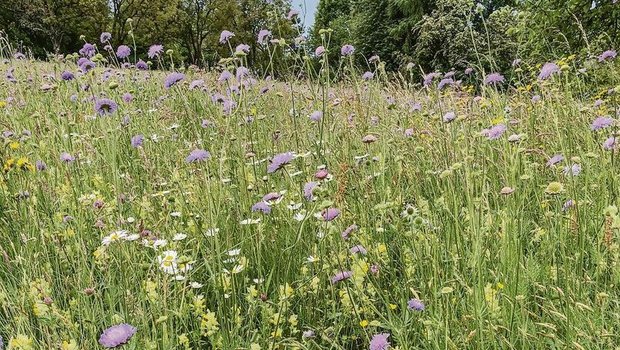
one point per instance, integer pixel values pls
(307, 9)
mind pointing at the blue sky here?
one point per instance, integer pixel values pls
(307, 9)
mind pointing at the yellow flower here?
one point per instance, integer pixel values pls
(364, 323)
(2, 104)
(14, 145)
(70, 345)
(21, 342)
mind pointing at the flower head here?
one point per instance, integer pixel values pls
(607, 55)
(330, 214)
(225, 36)
(380, 342)
(601, 123)
(197, 155)
(105, 106)
(105, 37)
(555, 159)
(548, 70)
(347, 50)
(172, 79)
(155, 51)
(415, 304)
(123, 51)
(263, 35)
(341, 276)
(117, 335)
(279, 161)
(494, 78)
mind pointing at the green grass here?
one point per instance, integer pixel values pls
(495, 271)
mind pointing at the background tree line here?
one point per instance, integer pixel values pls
(435, 34)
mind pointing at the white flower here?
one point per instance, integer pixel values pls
(258, 280)
(168, 262)
(179, 237)
(179, 277)
(234, 252)
(175, 214)
(300, 216)
(133, 237)
(237, 269)
(212, 232)
(312, 259)
(114, 237)
(131, 219)
(160, 243)
(195, 285)
(249, 221)
(320, 234)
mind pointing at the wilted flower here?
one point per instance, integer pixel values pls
(358, 249)
(117, 335)
(66, 157)
(507, 190)
(554, 188)
(292, 14)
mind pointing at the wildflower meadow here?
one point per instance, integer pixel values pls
(147, 204)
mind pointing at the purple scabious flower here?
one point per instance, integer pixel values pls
(573, 170)
(105, 37)
(19, 56)
(292, 14)
(242, 49)
(262, 207)
(568, 204)
(494, 78)
(279, 161)
(358, 249)
(368, 76)
(341, 276)
(445, 82)
(127, 97)
(609, 144)
(330, 214)
(105, 106)
(496, 132)
(607, 55)
(415, 304)
(141, 65)
(137, 141)
(197, 155)
(40, 165)
(555, 160)
(172, 79)
(347, 50)
(224, 76)
(601, 123)
(263, 35)
(87, 65)
(319, 51)
(468, 71)
(347, 232)
(309, 189)
(548, 70)
(225, 36)
(66, 157)
(117, 335)
(536, 98)
(155, 51)
(428, 78)
(196, 84)
(448, 117)
(380, 342)
(316, 116)
(242, 72)
(88, 50)
(67, 76)
(123, 51)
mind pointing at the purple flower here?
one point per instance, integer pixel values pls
(347, 50)
(226, 75)
(155, 51)
(123, 51)
(105, 106)
(117, 335)
(496, 132)
(309, 189)
(368, 76)
(607, 55)
(279, 161)
(66, 157)
(601, 123)
(341, 276)
(88, 50)
(40, 165)
(448, 117)
(609, 144)
(19, 56)
(428, 78)
(242, 48)
(347, 232)
(445, 82)
(380, 342)
(373, 59)
(196, 84)
(358, 249)
(573, 170)
(197, 155)
(555, 159)
(468, 71)
(330, 214)
(568, 204)
(548, 70)
(536, 98)
(263, 35)
(66, 75)
(127, 97)
(172, 79)
(137, 141)
(319, 51)
(225, 36)
(415, 304)
(141, 65)
(494, 78)
(87, 65)
(262, 207)
(316, 116)
(292, 14)
(105, 37)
